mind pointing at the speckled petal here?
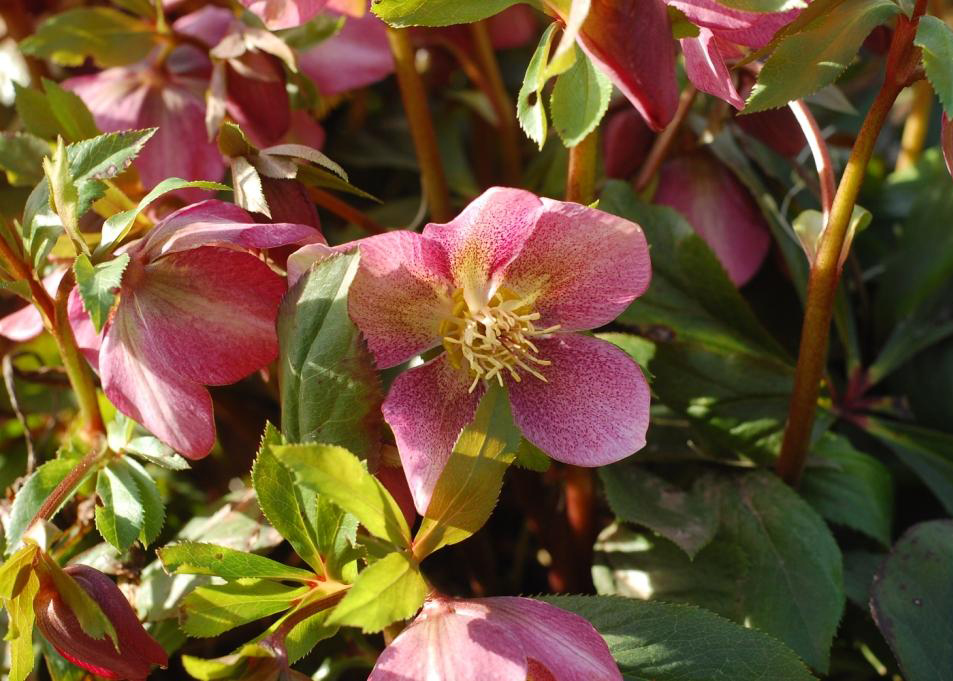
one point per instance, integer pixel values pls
(584, 266)
(400, 295)
(427, 408)
(705, 67)
(485, 238)
(593, 410)
(452, 641)
(565, 643)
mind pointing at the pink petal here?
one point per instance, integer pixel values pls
(259, 104)
(26, 323)
(626, 143)
(777, 128)
(400, 295)
(705, 67)
(175, 409)
(514, 27)
(946, 142)
(395, 482)
(289, 202)
(631, 41)
(565, 643)
(88, 341)
(305, 130)
(593, 409)
(114, 96)
(278, 14)
(427, 408)
(216, 223)
(719, 208)
(753, 29)
(583, 266)
(452, 641)
(358, 56)
(207, 314)
(209, 24)
(485, 238)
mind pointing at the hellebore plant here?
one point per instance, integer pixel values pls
(503, 290)
(196, 307)
(503, 638)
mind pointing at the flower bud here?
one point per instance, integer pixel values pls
(137, 652)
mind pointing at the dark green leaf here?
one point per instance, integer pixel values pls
(860, 568)
(197, 558)
(389, 590)
(21, 157)
(34, 110)
(329, 387)
(818, 54)
(109, 37)
(935, 38)
(437, 12)
(579, 100)
(849, 487)
(98, 284)
(120, 519)
(152, 506)
(73, 118)
(912, 601)
(689, 518)
(32, 495)
(667, 642)
(212, 610)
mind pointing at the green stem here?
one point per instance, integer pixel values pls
(826, 268)
(581, 174)
(421, 126)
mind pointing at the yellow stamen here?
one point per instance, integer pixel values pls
(494, 340)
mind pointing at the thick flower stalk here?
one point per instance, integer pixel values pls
(499, 295)
(135, 653)
(196, 307)
(505, 639)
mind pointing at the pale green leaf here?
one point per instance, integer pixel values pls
(530, 111)
(98, 286)
(120, 518)
(21, 618)
(21, 157)
(152, 506)
(935, 38)
(73, 118)
(32, 495)
(579, 100)
(437, 12)
(109, 37)
(212, 610)
(389, 590)
(197, 558)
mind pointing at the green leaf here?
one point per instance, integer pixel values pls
(33, 109)
(73, 118)
(197, 558)
(689, 518)
(63, 195)
(403, 13)
(98, 284)
(389, 590)
(32, 495)
(818, 54)
(117, 226)
(13, 572)
(530, 111)
(212, 610)
(21, 157)
(860, 569)
(340, 476)
(912, 600)
(120, 519)
(470, 483)
(103, 157)
(935, 38)
(531, 457)
(109, 37)
(336, 532)
(154, 451)
(579, 100)
(283, 502)
(849, 487)
(929, 453)
(330, 391)
(152, 506)
(20, 635)
(667, 642)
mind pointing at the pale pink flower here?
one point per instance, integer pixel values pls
(196, 307)
(503, 639)
(357, 56)
(502, 289)
(26, 324)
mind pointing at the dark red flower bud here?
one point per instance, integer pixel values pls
(257, 99)
(626, 143)
(138, 651)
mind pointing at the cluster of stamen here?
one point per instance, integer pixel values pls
(496, 339)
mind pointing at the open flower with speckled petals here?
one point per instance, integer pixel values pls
(506, 639)
(503, 289)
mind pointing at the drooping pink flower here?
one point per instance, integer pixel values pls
(170, 97)
(625, 143)
(26, 323)
(138, 651)
(196, 308)
(721, 29)
(504, 639)
(502, 288)
(719, 208)
(278, 14)
(357, 56)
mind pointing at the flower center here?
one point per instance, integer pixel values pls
(495, 339)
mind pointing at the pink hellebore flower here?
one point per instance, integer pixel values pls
(278, 14)
(502, 288)
(26, 323)
(504, 639)
(720, 30)
(195, 309)
(719, 208)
